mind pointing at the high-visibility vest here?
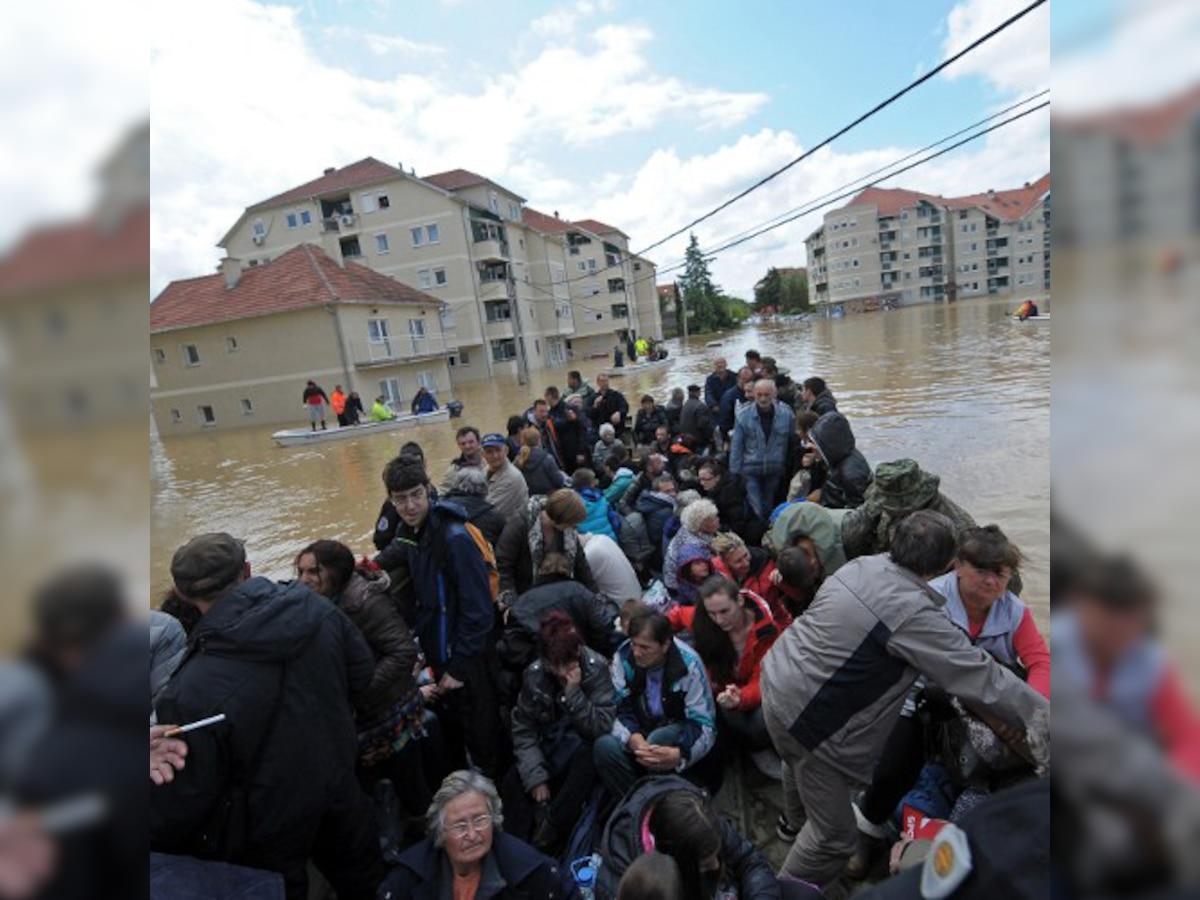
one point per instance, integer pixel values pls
(338, 402)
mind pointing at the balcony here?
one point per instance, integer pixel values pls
(392, 350)
(493, 290)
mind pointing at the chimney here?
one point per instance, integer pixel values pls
(330, 170)
(556, 214)
(1028, 185)
(400, 165)
(231, 268)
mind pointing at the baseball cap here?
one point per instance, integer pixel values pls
(493, 439)
(207, 563)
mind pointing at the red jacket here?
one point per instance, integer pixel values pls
(758, 580)
(767, 627)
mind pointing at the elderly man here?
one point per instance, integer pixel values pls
(834, 682)
(507, 489)
(759, 447)
(717, 383)
(282, 664)
(734, 400)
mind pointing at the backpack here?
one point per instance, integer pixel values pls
(489, 557)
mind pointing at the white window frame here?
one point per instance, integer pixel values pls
(176, 417)
(160, 355)
(382, 244)
(292, 219)
(494, 202)
(428, 380)
(514, 211)
(367, 203)
(448, 318)
(205, 421)
(392, 390)
(247, 406)
(425, 279)
(432, 234)
(440, 279)
(497, 343)
(417, 236)
(188, 351)
(231, 344)
(305, 217)
(259, 227)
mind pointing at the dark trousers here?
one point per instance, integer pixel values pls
(569, 791)
(897, 770)
(470, 718)
(406, 771)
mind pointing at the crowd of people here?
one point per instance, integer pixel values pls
(562, 645)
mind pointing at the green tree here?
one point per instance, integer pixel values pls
(769, 291)
(793, 293)
(700, 295)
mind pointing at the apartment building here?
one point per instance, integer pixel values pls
(236, 348)
(896, 247)
(513, 297)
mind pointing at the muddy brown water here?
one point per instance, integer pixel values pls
(961, 388)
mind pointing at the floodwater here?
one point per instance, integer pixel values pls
(961, 388)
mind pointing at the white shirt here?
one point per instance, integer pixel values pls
(611, 568)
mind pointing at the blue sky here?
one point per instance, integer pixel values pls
(642, 115)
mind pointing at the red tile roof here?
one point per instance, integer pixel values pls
(539, 221)
(79, 253)
(1007, 204)
(457, 179)
(303, 277)
(365, 171)
(1140, 126)
(666, 290)
(598, 227)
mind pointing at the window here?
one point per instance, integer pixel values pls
(493, 272)
(191, 354)
(563, 310)
(381, 243)
(428, 380)
(305, 217)
(176, 417)
(514, 211)
(418, 236)
(259, 228)
(207, 416)
(497, 310)
(247, 407)
(231, 344)
(416, 330)
(384, 202)
(587, 265)
(904, 216)
(493, 202)
(424, 279)
(380, 334)
(487, 231)
(558, 274)
(449, 320)
(504, 350)
(616, 285)
(620, 311)
(292, 220)
(460, 359)
(431, 234)
(439, 277)
(612, 259)
(367, 203)
(392, 393)
(160, 355)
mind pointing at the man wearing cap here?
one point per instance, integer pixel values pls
(899, 489)
(835, 680)
(507, 488)
(273, 784)
(695, 420)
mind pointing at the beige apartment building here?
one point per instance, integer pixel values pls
(513, 298)
(236, 348)
(895, 247)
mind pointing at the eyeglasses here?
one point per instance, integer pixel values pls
(462, 829)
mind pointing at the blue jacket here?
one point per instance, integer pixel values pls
(450, 583)
(728, 408)
(601, 518)
(715, 386)
(424, 403)
(754, 454)
(512, 870)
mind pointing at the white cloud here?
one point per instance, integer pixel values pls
(1016, 61)
(384, 44)
(227, 134)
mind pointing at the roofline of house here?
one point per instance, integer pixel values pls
(433, 303)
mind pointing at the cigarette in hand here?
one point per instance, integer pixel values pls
(192, 726)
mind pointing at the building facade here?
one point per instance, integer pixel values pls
(236, 348)
(895, 247)
(519, 290)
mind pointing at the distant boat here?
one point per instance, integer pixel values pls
(714, 344)
(296, 437)
(1044, 317)
(613, 371)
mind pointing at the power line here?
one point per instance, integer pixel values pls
(1011, 20)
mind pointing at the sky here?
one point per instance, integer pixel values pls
(640, 115)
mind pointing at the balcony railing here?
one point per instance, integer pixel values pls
(399, 349)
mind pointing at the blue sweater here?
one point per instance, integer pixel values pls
(601, 518)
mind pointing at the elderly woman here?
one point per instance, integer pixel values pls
(698, 525)
(466, 855)
(566, 702)
(604, 446)
(390, 715)
(547, 524)
(468, 487)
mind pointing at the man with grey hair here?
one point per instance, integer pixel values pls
(759, 446)
(466, 853)
(835, 680)
(468, 487)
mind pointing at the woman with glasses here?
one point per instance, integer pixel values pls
(466, 854)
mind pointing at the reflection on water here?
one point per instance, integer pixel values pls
(961, 388)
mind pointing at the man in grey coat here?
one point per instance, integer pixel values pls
(835, 680)
(507, 489)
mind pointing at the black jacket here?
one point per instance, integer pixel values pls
(594, 615)
(541, 472)
(695, 421)
(621, 843)
(715, 386)
(644, 425)
(612, 401)
(96, 744)
(511, 871)
(849, 474)
(823, 403)
(734, 509)
(282, 663)
(656, 510)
